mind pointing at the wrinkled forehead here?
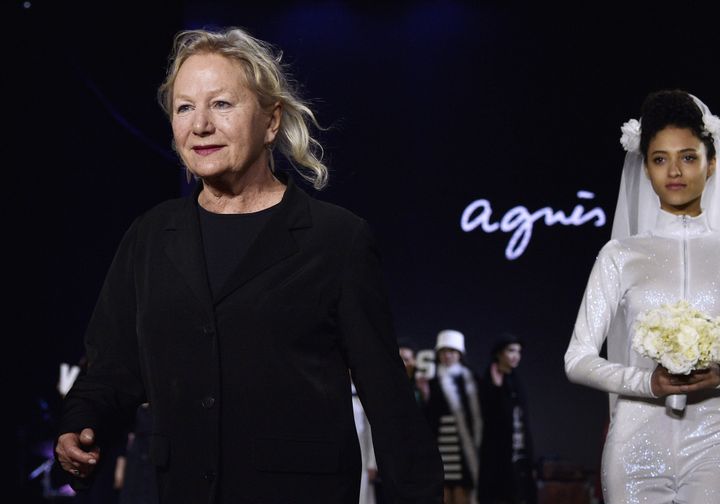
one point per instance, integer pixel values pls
(208, 70)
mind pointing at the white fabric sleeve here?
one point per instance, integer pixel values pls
(583, 364)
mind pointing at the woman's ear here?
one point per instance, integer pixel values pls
(274, 119)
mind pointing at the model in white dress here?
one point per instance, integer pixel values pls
(654, 454)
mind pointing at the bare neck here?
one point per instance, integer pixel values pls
(232, 194)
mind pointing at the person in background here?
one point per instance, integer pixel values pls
(665, 248)
(453, 411)
(237, 312)
(506, 455)
(367, 452)
(420, 384)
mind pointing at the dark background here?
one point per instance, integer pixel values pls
(429, 106)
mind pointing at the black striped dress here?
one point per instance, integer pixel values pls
(444, 425)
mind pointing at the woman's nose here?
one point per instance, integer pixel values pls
(675, 170)
(202, 124)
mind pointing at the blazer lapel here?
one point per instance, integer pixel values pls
(275, 242)
(184, 248)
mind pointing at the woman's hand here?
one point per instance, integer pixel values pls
(77, 453)
(665, 383)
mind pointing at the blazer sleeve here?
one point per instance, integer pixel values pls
(111, 389)
(600, 303)
(408, 459)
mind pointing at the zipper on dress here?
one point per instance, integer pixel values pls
(685, 258)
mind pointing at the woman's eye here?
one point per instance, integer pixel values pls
(690, 158)
(658, 160)
(183, 108)
(221, 104)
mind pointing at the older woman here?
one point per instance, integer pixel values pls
(237, 312)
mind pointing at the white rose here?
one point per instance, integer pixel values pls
(712, 124)
(676, 363)
(630, 138)
(653, 344)
(714, 336)
(687, 337)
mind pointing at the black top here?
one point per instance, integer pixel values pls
(506, 453)
(226, 239)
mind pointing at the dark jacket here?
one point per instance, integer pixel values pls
(306, 304)
(501, 477)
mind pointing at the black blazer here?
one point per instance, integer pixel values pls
(250, 391)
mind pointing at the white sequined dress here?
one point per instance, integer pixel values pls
(651, 454)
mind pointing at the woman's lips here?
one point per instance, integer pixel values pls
(675, 187)
(206, 150)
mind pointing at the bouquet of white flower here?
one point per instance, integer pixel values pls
(680, 338)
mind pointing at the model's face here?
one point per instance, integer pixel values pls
(448, 356)
(408, 357)
(678, 168)
(510, 356)
(218, 124)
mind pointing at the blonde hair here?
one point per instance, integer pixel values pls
(266, 77)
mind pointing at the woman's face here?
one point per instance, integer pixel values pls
(448, 356)
(509, 357)
(218, 124)
(678, 167)
(408, 357)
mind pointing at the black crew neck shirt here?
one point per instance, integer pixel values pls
(226, 240)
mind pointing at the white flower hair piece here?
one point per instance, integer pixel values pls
(630, 138)
(712, 125)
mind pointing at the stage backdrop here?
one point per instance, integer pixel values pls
(479, 141)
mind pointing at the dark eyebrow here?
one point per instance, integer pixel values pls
(689, 149)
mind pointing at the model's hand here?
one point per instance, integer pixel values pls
(664, 383)
(77, 453)
(120, 470)
(372, 474)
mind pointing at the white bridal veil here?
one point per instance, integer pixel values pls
(638, 205)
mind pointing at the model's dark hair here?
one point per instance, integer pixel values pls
(407, 342)
(502, 342)
(672, 108)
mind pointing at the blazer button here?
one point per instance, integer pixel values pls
(208, 402)
(208, 476)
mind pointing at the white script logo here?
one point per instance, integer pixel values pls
(520, 221)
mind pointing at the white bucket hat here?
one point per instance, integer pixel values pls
(450, 338)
